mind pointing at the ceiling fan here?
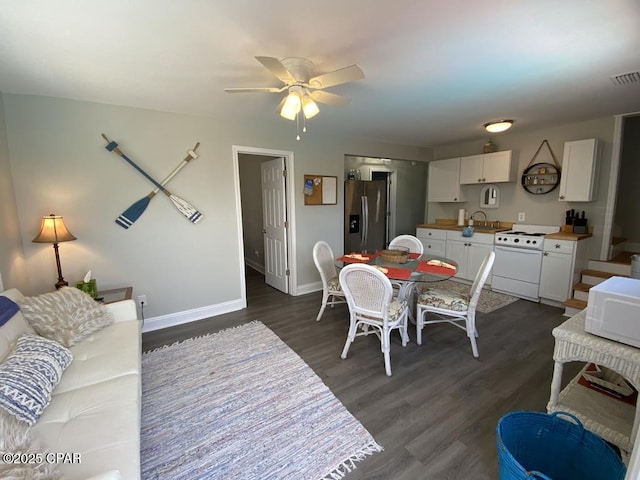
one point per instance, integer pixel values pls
(303, 90)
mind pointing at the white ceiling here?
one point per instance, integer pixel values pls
(435, 70)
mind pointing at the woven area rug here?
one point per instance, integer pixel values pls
(240, 404)
(488, 302)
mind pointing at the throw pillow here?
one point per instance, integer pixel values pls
(15, 438)
(8, 309)
(29, 374)
(67, 315)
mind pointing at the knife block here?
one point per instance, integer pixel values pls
(580, 225)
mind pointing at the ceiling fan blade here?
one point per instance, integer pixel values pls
(329, 98)
(256, 89)
(342, 75)
(276, 67)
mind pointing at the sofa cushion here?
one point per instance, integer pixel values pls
(14, 327)
(109, 353)
(29, 374)
(67, 315)
(101, 422)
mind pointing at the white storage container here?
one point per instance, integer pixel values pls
(613, 310)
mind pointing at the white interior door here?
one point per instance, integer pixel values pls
(274, 218)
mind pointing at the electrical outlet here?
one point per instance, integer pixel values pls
(256, 253)
(521, 216)
(142, 299)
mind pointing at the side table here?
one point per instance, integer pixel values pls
(612, 419)
(115, 295)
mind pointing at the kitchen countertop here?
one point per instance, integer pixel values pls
(452, 224)
(568, 236)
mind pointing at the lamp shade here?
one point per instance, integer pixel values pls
(498, 126)
(309, 107)
(291, 106)
(53, 230)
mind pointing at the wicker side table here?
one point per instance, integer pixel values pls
(612, 419)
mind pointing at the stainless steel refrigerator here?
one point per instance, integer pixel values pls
(365, 216)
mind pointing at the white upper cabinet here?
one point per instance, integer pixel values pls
(488, 168)
(444, 181)
(579, 163)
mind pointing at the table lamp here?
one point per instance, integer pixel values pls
(53, 230)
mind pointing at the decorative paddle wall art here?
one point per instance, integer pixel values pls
(131, 214)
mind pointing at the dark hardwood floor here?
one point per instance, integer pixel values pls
(436, 417)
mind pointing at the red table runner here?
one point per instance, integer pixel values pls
(396, 273)
(436, 267)
(357, 257)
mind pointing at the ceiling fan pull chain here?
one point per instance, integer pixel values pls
(298, 125)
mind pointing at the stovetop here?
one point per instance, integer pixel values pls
(525, 236)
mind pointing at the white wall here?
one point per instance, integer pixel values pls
(539, 209)
(13, 271)
(59, 165)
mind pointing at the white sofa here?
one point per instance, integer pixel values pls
(95, 409)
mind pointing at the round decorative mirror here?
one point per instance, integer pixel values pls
(489, 197)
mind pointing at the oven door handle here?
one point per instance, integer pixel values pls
(517, 250)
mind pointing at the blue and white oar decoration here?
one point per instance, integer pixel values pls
(131, 214)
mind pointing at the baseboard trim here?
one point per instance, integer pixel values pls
(180, 318)
(308, 288)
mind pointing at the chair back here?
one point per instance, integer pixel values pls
(481, 278)
(412, 243)
(323, 258)
(367, 289)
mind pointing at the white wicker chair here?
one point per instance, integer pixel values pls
(372, 308)
(332, 294)
(412, 243)
(453, 308)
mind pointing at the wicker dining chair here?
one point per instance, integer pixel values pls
(373, 308)
(409, 241)
(332, 294)
(457, 310)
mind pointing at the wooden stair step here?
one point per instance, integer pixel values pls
(598, 273)
(574, 303)
(582, 287)
(618, 240)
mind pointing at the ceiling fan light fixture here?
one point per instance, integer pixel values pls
(291, 106)
(498, 126)
(309, 107)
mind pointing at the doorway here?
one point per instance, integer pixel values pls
(621, 210)
(266, 216)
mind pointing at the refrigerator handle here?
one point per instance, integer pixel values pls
(365, 220)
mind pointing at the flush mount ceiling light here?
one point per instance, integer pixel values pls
(498, 126)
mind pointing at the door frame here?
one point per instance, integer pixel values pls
(289, 189)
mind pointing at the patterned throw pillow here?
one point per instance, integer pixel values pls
(29, 374)
(67, 315)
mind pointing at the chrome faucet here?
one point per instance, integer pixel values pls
(479, 211)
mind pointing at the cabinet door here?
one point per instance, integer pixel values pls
(578, 171)
(433, 247)
(444, 181)
(471, 169)
(498, 167)
(556, 275)
(476, 254)
(457, 251)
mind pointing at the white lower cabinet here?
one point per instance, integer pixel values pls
(433, 240)
(468, 252)
(562, 263)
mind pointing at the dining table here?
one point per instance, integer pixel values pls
(418, 269)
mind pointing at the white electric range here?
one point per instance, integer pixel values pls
(516, 270)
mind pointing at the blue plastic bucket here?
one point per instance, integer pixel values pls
(545, 446)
